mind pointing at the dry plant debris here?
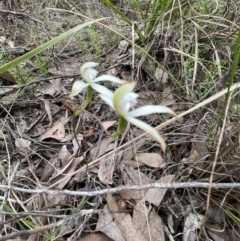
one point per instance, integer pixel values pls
(183, 64)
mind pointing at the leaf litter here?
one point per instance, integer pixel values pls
(38, 135)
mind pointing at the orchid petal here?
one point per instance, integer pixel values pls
(124, 98)
(77, 87)
(102, 89)
(108, 100)
(89, 74)
(150, 109)
(109, 78)
(144, 126)
(87, 65)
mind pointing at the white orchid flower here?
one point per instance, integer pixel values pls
(90, 79)
(122, 100)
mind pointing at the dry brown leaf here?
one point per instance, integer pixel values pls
(23, 145)
(215, 236)
(64, 155)
(96, 237)
(54, 200)
(106, 166)
(36, 203)
(161, 75)
(105, 147)
(155, 195)
(49, 169)
(192, 222)
(23, 173)
(48, 110)
(124, 222)
(9, 99)
(215, 213)
(4, 90)
(132, 164)
(75, 143)
(168, 99)
(68, 169)
(140, 215)
(218, 233)
(105, 171)
(65, 69)
(107, 225)
(129, 150)
(35, 236)
(123, 45)
(150, 159)
(107, 124)
(8, 76)
(198, 151)
(67, 137)
(156, 226)
(113, 71)
(68, 163)
(142, 212)
(131, 177)
(22, 124)
(54, 89)
(57, 131)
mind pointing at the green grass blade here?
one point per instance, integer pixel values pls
(123, 16)
(138, 7)
(53, 233)
(116, 10)
(44, 46)
(236, 60)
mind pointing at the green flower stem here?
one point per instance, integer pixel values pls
(88, 99)
(121, 125)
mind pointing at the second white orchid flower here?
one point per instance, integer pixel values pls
(122, 100)
(90, 79)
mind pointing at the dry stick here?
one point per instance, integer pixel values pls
(166, 123)
(31, 231)
(215, 163)
(90, 193)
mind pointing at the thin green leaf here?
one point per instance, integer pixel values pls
(44, 46)
(138, 7)
(123, 16)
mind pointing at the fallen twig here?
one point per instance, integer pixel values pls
(91, 193)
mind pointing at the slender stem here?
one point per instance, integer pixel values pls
(88, 99)
(121, 125)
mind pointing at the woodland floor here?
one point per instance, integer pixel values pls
(55, 195)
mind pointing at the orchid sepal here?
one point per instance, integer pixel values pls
(149, 129)
(150, 109)
(86, 66)
(77, 87)
(110, 78)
